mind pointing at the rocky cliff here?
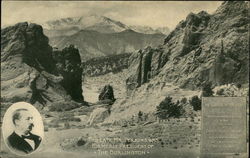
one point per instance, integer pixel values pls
(202, 48)
(68, 64)
(31, 72)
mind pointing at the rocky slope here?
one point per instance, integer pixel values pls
(95, 44)
(203, 48)
(103, 65)
(31, 71)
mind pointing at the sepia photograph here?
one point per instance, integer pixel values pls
(124, 79)
(22, 128)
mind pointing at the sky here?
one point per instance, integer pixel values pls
(143, 13)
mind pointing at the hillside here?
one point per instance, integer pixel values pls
(203, 48)
(95, 44)
(103, 65)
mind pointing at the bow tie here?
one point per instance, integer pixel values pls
(27, 137)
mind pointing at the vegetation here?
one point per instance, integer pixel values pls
(167, 108)
(184, 100)
(207, 90)
(140, 114)
(220, 92)
(103, 65)
(195, 102)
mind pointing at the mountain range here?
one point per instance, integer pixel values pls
(97, 36)
(102, 24)
(95, 44)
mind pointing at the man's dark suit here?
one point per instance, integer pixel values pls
(18, 143)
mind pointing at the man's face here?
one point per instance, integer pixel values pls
(25, 123)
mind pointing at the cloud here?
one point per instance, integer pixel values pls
(149, 13)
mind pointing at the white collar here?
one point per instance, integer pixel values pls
(20, 133)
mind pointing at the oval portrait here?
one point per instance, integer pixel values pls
(22, 128)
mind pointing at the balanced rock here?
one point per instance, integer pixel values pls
(68, 64)
(107, 94)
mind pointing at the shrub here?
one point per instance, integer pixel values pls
(167, 108)
(140, 116)
(195, 103)
(207, 90)
(220, 92)
(238, 85)
(184, 100)
(81, 142)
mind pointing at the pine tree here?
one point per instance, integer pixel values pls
(167, 108)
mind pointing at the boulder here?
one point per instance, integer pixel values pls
(107, 93)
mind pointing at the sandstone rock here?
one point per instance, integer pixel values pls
(107, 93)
(134, 79)
(144, 65)
(30, 73)
(68, 64)
(203, 48)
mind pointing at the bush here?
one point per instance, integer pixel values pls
(195, 103)
(167, 108)
(220, 92)
(140, 114)
(81, 142)
(207, 90)
(184, 100)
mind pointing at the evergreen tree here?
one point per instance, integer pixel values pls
(195, 103)
(167, 108)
